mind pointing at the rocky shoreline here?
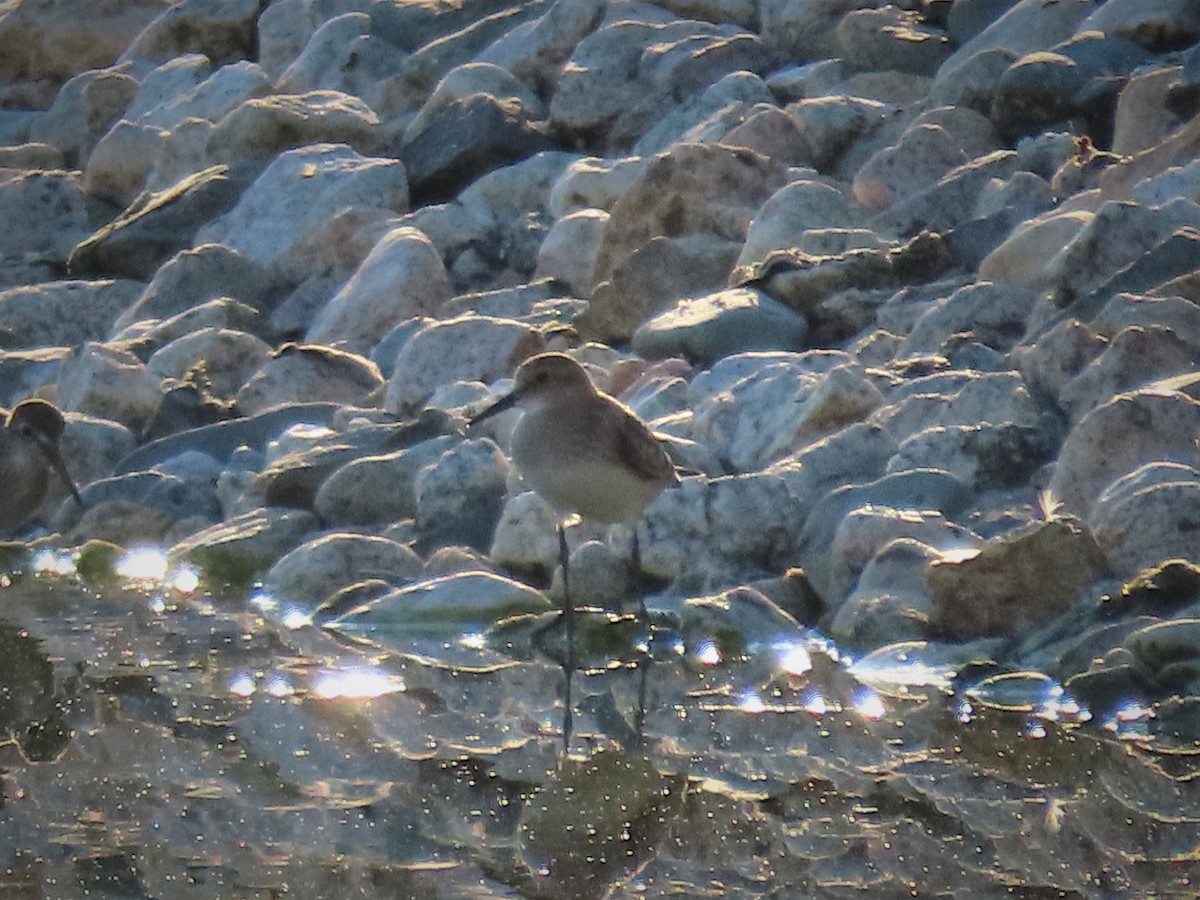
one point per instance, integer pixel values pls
(913, 287)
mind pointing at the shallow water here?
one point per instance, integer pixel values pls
(164, 743)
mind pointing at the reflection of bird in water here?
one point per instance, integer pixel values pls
(584, 453)
(28, 454)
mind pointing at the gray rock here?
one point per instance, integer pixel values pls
(53, 211)
(309, 574)
(593, 182)
(806, 31)
(93, 447)
(832, 125)
(534, 50)
(1118, 437)
(707, 115)
(226, 357)
(927, 489)
(707, 328)
(187, 90)
(891, 601)
(243, 547)
(376, 489)
(857, 453)
(459, 496)
(568, 254)
(1147, 524)
(995, 314)
(306, 373)
(465, 139)
(1133, 358)
(919, 159)
(86, 107)
(1028, 26)
(223, 30)
(795, 208)
(287, 220)
(120, 164)
(891, 39)
(52, 40)
(865, 532)
(176, 498)
(193, 277)
(470, 348)
(987, 455)
(62, 313)
(341, 55)
(952, 200)
(466, 602)
(650, 279)
(1155, 24)
(157, 226)
(109, 383)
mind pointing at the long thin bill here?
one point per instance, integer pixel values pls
(60, 467)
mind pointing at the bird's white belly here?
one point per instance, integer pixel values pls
(597, 491)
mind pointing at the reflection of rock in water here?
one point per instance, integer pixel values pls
(29, 709)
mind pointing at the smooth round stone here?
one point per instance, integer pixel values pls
(717, 325)
(465, 600)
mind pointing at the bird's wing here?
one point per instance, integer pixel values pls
(639, 448)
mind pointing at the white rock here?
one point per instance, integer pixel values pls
(401, 278)
(594, 183)
(526, 536)
(569, 250)
(219, 93)
(227, 358)
(342, 55)
(120, 164)
(109, 383)
(474, 78)
(794, 209)
(290, 211)
(468, 348)
(856, 453)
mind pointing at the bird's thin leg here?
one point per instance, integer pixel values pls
(635, 554)
(568, 626)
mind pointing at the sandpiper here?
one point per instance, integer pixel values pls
(585, 453)
(28, 453)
